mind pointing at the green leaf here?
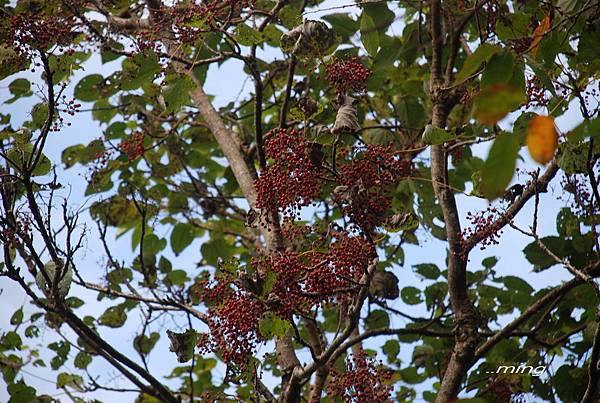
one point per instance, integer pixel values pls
(272, 325)
(62, 354)
(39, 114)
(181, 237)
(411, 295)
(215, 249)
(138, 70)
(391, 348)
(377, 319)
(422, 354)
(154, 244)
(567, 223)
(499, 69)
(434, 135)
(248, 36)
(114, 317)
(20, 392)
(411, 111)
(73, 381)
(176, 277)
(82, 360)
(489, 262)
(64, 283)
(588, 49)
(11, 62)
(71, 155)
(177, 93)
(342, 24)
(144, 344)
(481, 55)
(17, 317)
(573, 159)
(11, 341)
(103, 111)
(499, 167)
(539, 258)
(88, 88)
(369, 34)
(411, 376)
(19, 88)
(380, 13)
(517, 284)
(290, 16)
(428, 270)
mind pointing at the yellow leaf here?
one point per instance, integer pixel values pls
(538, 34)
(542, 139)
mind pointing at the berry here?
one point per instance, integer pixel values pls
(363, 381)
(347, 74)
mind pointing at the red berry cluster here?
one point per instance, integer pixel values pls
(287, 296)
(536, 93)
(291, 181)
(25, 32)
(486, 222)
(233, 321)
(369, 176)
(134, 147)
(347, 74)
(333, 274)
(365, 380)
(313, 278)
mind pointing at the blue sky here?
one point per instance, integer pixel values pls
(226, 82)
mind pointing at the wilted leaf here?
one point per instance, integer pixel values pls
(538, 34)
(401, 222)
(384, 284)
(183, 344)
(308, 40)
(64, 283)
(346, 120)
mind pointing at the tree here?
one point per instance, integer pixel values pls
(354, 143)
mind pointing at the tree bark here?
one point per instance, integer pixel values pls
(466, 318)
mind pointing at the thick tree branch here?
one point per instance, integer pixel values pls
(538, 186)
(467, 319)
(548, 298)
